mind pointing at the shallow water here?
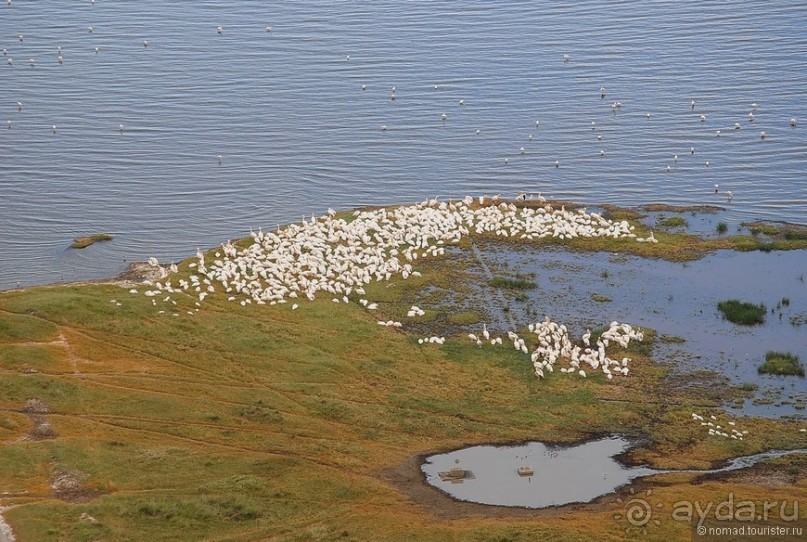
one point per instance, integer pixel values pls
(677, 300)
(296, 133)
(562, 475)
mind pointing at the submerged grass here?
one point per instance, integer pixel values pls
(512, 284)
(781, 363)
(259, 422)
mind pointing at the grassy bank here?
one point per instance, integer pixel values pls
(263, 423)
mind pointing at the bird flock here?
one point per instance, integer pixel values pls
(337, 257)
(715, 429)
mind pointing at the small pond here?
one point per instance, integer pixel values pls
(560, 475)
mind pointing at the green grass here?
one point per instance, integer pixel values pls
(464, 318)
(673, 222)
(781, 363)
(84, 242)
(742, 313)
(511, 284)
(796, 234)
(259, 423)
(722, 227)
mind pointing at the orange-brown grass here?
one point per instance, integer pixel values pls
(263, 423)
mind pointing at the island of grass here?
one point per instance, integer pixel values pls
(743, 313)
(781, 363)
(228, 421)
(87, 240)
(673, 222)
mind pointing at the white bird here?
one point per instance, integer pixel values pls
(793, 122)
(153, 262)
(763, 135)
(485, 332)
(145, 43)
(220, 158)
(220, 30)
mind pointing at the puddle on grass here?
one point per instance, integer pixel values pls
(561, 475)
(679, 301)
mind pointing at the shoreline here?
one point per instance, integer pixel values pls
(139, 271)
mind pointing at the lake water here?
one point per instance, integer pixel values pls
(678, 300)
(561, 474)
(297, 134)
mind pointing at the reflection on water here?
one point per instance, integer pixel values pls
(679, 301)
(561, 475)
(286, 111)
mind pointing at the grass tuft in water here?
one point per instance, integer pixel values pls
(743, 313)
(781, 363)
(87, 240)
(673, 222)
